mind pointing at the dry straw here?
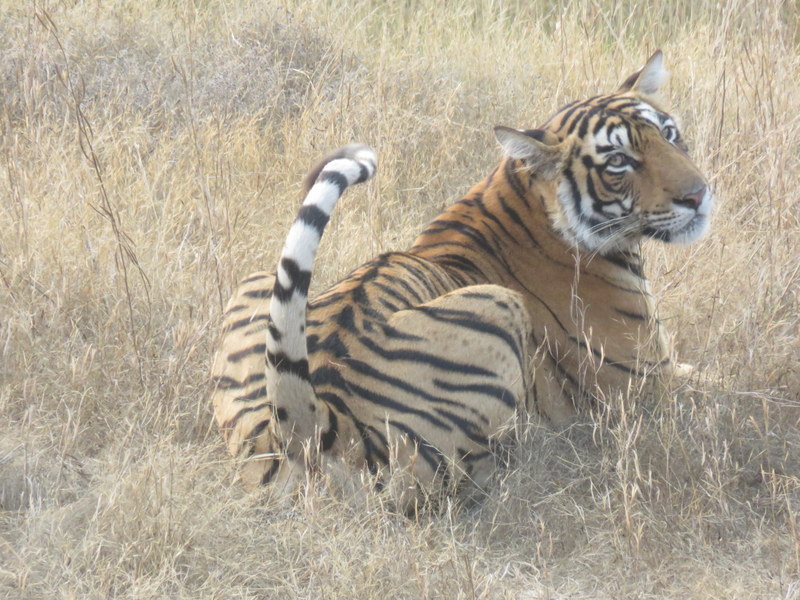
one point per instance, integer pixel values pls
(152, 154)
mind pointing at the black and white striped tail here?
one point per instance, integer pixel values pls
(288, 383)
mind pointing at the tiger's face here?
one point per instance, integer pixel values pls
(620, 167)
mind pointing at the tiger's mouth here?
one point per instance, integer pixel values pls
(691, 231)
(684, 225)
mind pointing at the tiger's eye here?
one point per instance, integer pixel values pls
(670, 132)
(618, 159)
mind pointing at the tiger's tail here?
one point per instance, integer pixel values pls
(300, 415)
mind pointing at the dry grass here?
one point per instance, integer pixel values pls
(151, 156)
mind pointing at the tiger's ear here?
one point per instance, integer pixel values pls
(541, 150)
(649, 79)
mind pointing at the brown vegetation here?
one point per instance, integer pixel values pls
(152, 154)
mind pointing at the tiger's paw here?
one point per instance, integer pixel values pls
(691, 376)
(683, 371)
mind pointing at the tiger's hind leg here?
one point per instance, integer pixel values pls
(239, 394)
(440, 385)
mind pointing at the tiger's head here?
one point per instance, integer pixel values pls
(619, 166)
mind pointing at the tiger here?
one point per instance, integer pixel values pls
(526, 298)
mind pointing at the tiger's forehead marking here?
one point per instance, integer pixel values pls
(647, 113)
(612, 137)
(606, 113)
(618, 132)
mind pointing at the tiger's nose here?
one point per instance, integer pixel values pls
(694, 199)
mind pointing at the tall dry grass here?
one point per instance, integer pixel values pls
(151, 156)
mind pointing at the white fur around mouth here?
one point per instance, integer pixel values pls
(697, 226)
(692, 231)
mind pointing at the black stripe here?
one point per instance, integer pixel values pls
(254, 349)
(386, 402)
(244, 322)
(577, 120)
(330, 377)
(515, 218)
(631, 315)
(621, 262)
(569, 378)
(657, 234)
(256, 394)
(283, 365)
(493, 391)
(263, 293)
(334, 177)
(493, 218)
(236, 308)
(367, 370)
(472, 456)
(223, 382)
(281, 293)
(270, 473)
(467, 427)
(509, 170)
(393, 333)
(257, 430)
(421, 278)
(375, 450)
(392, 308)
(229, 383)
(591, 191)
(328, 437)
(370, 313)
(346, 319)
(427, 450)
(575, 192)
(424, 358)
(328, 298)
(467, 320)
(274, 332)
(390, 291)
(371, 451)
(566, 112)
(230, 423)
(431, 270)
(363, 174)
(460, 266)
(442, 259)
(583, 129)
(406, 286)
(468, 231)
(299, 280)
(314, 217)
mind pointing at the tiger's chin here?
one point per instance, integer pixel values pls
(693, 231)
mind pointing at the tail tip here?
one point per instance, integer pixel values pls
(356, 151)
(360, 153)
